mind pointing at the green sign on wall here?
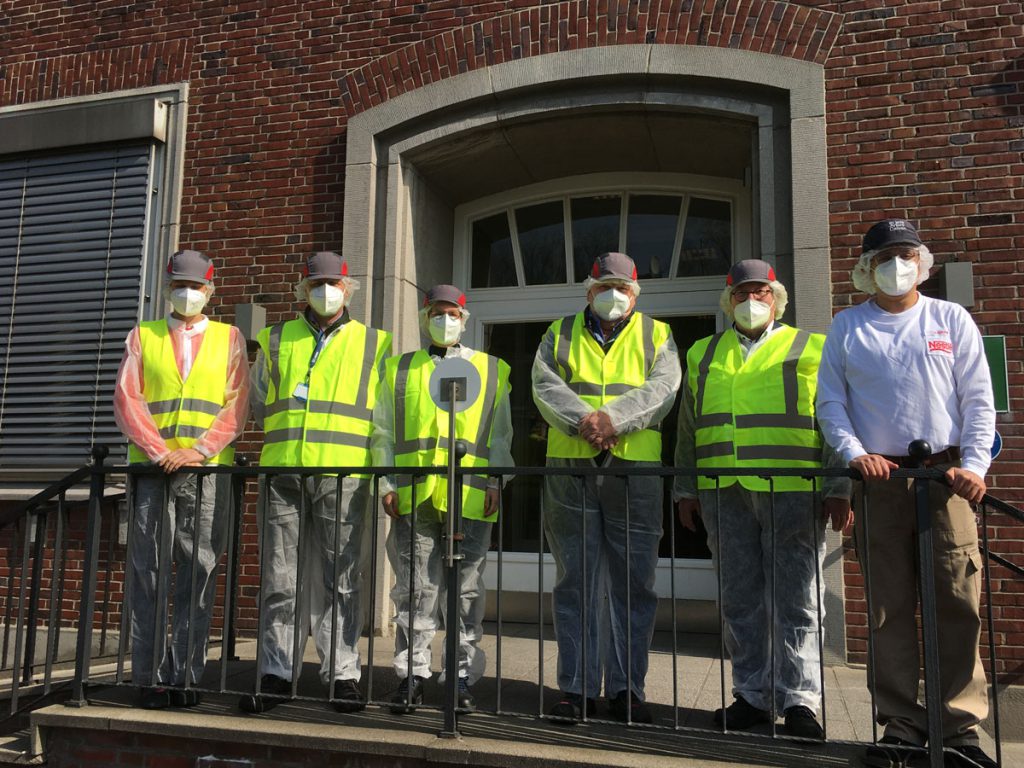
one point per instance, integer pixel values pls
(995, 351)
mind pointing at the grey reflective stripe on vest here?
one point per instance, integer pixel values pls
(708, 420)
(317, 436)
(329, 407)
(274, 350)
(181, 430)
(778, 453)
(208, 407)
(712, 450)
(369, 357)
(702, 375)
(402, 443)
(647, 332)
(473, 481)
(482, 448)
(596, 390)
(564, 345)
(775, 421)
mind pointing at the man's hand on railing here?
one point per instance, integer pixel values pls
(966, 484)
(873, 467)
(839, 511)
(182, 457)
(390, 502)
(689, 511)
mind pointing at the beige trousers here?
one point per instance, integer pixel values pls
(892, 528)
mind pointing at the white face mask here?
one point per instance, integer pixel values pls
(611, 304)
(897, 276)
(445, 330)
(188, 302)
(752, 314)
(326, 300)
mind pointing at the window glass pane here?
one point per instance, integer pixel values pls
(651, 233)
(595, 230)
(707, 239)
(493, 262)
(542, 242)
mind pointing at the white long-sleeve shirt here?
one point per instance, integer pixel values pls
(886, 379)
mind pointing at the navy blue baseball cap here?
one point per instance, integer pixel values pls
(890, 232)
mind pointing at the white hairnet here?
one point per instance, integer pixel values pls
(350, 284)
(590, 282)
(864, 279)
(778, 291)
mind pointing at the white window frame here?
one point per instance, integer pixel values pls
(694, 578)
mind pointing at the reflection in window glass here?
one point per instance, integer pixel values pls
(494, 264)
(542, 242)
(651, 233)
(707, 239)
(595, 230)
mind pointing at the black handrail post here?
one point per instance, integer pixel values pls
(97, 482)
(919, 450)
(41, 528)
(453, 561)
(234, 553)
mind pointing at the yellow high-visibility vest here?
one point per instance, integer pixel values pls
(320, 416)
(421, 430)
(757, 412)
(184, 410)
(599, 377)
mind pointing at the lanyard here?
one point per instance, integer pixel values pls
(321, 342)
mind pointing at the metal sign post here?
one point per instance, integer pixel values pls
(454, 386)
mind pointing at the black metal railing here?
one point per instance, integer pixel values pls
(23, 615)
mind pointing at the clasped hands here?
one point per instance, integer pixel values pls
(597, 429)
(182, 457)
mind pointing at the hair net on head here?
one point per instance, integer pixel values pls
(778, 291)
(350, 284)
(864, 280)
(424, 318)
(590, 282)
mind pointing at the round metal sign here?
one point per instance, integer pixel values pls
(465, 376)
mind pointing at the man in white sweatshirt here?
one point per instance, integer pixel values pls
(896, 368)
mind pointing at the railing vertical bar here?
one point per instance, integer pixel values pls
(41, 529)
(164, 546)
(19, 629)
(97, 480)
(261, 518)
(672, 598)
(129, 572)
(338, 486)
(540, 617)
(992, 660)
(410, 630)
(929, 628)
(865, 516)
(718, 580)
(298, 609)
(9, 607)
(374, 538)
(53, 636)
(197, 520)
(501, 551)
(584, 594)
(107, 574)
(234, 521)
(629, 607)
(772, 629)
(815, 506)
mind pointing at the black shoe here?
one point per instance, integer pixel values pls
(739, 716)
(800, 721)
(347, 697)
(154, 698)
(466, 701)
(629, 709)
(570, 709)
(891, 752)
(405, 700)
(973, 754)
(185, 698)
(273, 690)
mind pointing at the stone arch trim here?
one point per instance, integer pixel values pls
(759, 26)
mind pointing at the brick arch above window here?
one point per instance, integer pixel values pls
(784, 29)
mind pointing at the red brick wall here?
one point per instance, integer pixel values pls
(923, 106)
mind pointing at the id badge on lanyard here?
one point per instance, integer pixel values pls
(301, 392)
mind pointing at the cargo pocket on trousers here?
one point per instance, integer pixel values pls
(965, 573)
